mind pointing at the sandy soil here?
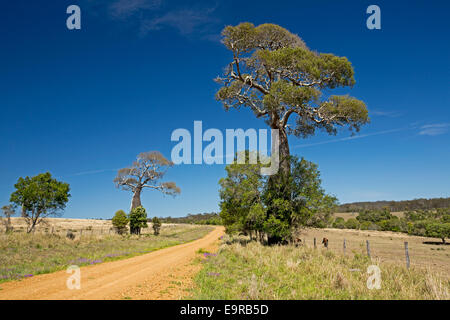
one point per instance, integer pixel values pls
(163, 274)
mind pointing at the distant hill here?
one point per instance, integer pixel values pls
(404, 205)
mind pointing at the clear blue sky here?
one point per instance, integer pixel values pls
(82, 104)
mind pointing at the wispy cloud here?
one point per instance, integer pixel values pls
(434, 129)
(389, 114)
(185, 21)
(354, 137)
(126, 8)
(83, 173)
(153, 15)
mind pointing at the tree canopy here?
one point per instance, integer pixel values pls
(146, 172)
(40, 196)
(277, 76)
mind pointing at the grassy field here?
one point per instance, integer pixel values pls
(252, 271)
(25, 255)
(386, 246)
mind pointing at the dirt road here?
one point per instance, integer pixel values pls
(163, 274)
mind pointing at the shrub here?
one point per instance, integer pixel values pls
(156, 226)
(138, 220)
(339, 223)
(352, 223)
(120, 222)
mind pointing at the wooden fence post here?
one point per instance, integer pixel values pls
(407, 255)
(368, 249)
(315, 243)
(345, 246)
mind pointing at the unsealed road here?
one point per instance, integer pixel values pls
(162, 274)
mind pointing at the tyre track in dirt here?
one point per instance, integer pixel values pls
(162, 274)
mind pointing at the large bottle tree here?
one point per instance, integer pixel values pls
(281, 80)
(146, 172)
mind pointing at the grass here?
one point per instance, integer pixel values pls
(386, 246)
(25, 255)
(253, 271)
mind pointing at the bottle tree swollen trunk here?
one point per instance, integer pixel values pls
(277, 182)
(136, 201)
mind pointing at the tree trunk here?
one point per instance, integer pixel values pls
(285, 164)
(277, 180)
(136, 201)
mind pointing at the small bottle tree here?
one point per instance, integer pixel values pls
(156, 225)
(138, 220)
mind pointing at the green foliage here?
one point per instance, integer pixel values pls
(374, 215)
(247, 198)
(156, 226)
(424, 223)
(277, 76)
(352, 223)
(396, 206)
(212, 218)
(240, 190)
(39, 197)
(339, 223)
(120, 221)
(438, 230)
(138, 220)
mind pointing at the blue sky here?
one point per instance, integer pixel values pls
(83, 103)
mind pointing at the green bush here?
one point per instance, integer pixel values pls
(138, 220)
(120, 221)
(339, 223)
(156, 226)
(352, 223)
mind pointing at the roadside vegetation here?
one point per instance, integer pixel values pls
(250, 270)
(25, 255)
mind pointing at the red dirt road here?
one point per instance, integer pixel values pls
(163, 274)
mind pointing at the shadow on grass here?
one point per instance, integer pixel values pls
(439, 243)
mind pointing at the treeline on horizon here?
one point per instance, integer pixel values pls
(208, 218)
(394, 206)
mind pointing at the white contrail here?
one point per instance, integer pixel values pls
(354, 137)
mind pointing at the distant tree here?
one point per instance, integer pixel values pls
(39, 197)
(120, 221)
(138, 220)
(438, 230)
(156, 225)
(352, 223)
(339, 223)
(146, 172)
(8, 211)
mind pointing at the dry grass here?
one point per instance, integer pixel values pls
(23, 255)
(254, 271)
(62, 225)
(386, 246)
